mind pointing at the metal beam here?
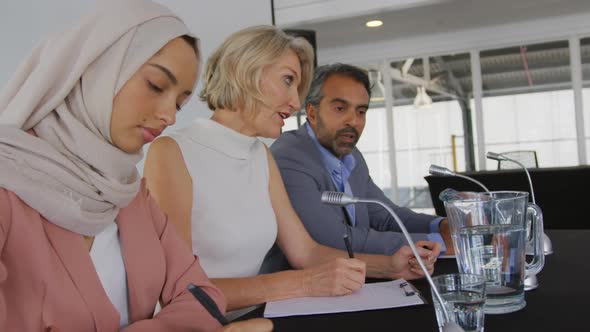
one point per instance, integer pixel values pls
(492, 80)
(388, 93)
(576, 66)
(407, 65)
(426, 68)
(452, 80)
(465, 111)
(489, 92)
(477, 102)
(397, 75)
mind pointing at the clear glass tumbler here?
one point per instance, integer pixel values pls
(464, 297)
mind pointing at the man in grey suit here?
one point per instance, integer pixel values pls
(321, 155)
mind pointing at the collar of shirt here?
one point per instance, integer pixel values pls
(333, 164)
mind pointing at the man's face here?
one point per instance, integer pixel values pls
(340, 119)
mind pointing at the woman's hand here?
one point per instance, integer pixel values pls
(251, 325)
(404, 263)
(341, 276)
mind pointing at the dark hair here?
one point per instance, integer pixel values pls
(194, 43)
(322, 73)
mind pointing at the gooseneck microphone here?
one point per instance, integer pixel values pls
(547, 245)
(500, 157)
(530, 282)
(342, 199)
(443, 171)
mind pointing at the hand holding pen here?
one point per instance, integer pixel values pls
(208, 303)
(348, 245)
(252, 325)
(404, 264)
(432, 251)
(340, 276)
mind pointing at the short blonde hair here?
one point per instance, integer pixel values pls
(233, 72)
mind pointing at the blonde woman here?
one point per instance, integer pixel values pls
(221, 187)
(83, 246)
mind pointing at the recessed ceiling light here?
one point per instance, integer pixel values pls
(374, 24)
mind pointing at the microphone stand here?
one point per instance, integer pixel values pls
(443, 171)
(342, 199)
(530, 282)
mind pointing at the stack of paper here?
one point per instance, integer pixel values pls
(380, 295)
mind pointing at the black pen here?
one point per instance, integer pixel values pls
(348, 246)
(208, 303)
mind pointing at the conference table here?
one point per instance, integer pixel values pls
(560, 303)
(559, 191)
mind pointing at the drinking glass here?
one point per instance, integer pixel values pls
(464, 298)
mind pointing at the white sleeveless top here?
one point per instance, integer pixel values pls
(108, 263)
(233, 223)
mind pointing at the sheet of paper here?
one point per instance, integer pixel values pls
(380, 295)
(446, 256)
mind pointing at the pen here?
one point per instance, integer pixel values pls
(208, 303)
(348, 247)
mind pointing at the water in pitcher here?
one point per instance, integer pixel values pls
(496, 252)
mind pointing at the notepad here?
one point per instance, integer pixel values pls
(381, 295)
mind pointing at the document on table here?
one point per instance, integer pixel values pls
(447, 256)
(374, 296)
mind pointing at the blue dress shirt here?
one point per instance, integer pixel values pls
(340, 170)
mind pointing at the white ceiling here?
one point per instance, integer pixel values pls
(294, 12)
(429, 17)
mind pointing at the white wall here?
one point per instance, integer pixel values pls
(24, 23)
(212, 22)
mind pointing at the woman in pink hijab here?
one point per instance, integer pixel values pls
(83, 247)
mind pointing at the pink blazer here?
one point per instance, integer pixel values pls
(47, 278)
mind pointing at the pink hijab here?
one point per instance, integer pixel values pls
(72, 173)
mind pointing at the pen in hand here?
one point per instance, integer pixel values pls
(348, 246)
(208, 303)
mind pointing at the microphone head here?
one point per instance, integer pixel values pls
(337, 198)
(495, 156)
(441, 171)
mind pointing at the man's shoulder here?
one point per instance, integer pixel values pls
(359, 158)
(295, 150)
(291, 142)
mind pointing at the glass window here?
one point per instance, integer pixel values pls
(528, 102)
(291, 122)
(429, 129)
(585, 50)
(374, 146)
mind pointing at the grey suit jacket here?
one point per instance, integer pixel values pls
(306, 177)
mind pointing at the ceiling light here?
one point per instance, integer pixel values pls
(422, 100)
(374, 24)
